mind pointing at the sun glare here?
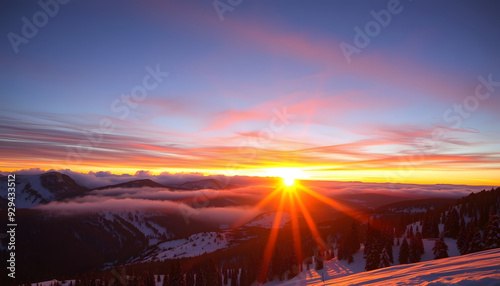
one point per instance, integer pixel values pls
(288, 181)
(289, 175)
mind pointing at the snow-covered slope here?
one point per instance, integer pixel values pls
(481, 268)
(32, 190)
(195, 245)
(266, 220)
(205, 242)
(138, 220)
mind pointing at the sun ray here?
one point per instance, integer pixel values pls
(295, 230)
(257, 207)
(310, 223)
(337, 205)
(268, 252)
(292, 194)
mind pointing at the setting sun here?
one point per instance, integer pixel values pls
(288, 181)
(289, 175)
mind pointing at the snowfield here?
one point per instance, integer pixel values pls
(196, 245)
(481, 268)
(139, 220)
(266, 220)
(29, 191)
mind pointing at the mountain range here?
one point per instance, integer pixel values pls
(33, 190)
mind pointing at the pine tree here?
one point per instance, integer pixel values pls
(340, 249)
(462, 210)
(468, 238)
(177, 275)
(200, 278)
(353, 239)
(427, 227)
(189, 278)
(483, 216)
(372, 260)
(461, 239)
(226, 276)
(372, 248)
(373, 255)
(420, 242)
(213, 275)
(350, 258)
(244, 281)
(435, 226)
(384, 259)
(492, 233)
(409, 233)
(440, 248)
(451, 225)
(476, 242)
(390, 236)
(368, 240)
(415, 252)
(234, 278)
(318, 262)
(462, 222)
(404, 252)
(388, 248)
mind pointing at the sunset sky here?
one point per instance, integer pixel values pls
(260, 86)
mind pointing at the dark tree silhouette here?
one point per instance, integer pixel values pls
(353, 239)
(420, 242)
(415, 252)
(476, 243)
(461, 239)
(404, 252)
(213, 276)
(451, 225)
(384, 259)
(492, 233)
(177, 275)
(440, 248)
(318, 262)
